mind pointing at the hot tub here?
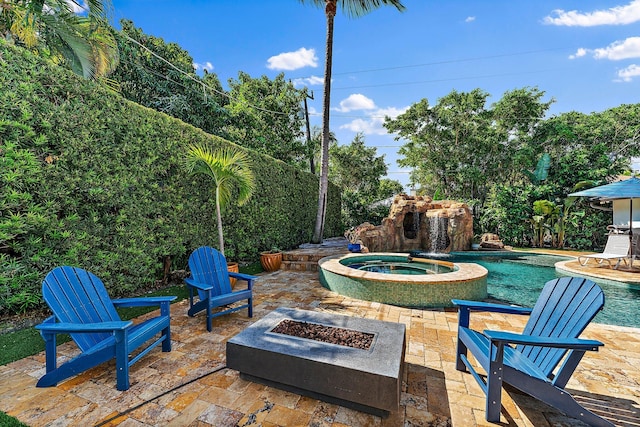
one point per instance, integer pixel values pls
(408, 282)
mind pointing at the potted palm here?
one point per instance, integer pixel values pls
(271, 260)
(230, 170)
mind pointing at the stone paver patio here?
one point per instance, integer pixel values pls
(190, 386)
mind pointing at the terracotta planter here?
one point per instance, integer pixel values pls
(271, 261)
(233, 267)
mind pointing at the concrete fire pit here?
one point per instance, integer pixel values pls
(366, 380)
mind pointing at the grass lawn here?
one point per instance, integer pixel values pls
(8, 421)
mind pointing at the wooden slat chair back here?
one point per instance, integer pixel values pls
(540, 360)
(563, 310)
(82, 308)
(211, 279)
(77, 296)
(209, 266)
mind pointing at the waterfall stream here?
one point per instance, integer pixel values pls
(438, 233)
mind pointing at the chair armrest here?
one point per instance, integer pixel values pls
(567, 343)
(242, 276)
(142, 301)
(62, 328)
(190, 281)
(486, 306)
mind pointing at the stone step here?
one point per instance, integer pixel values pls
(299, 266)
(307, 259)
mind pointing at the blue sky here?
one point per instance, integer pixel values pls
(584, 54)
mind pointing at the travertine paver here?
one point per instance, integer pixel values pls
(191, 387)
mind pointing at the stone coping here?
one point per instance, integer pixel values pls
(463, 271)
(621, 274)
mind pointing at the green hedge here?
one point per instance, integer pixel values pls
(88, 178)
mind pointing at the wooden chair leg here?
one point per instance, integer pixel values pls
(494, 384)
(209, 318)
(122, 360)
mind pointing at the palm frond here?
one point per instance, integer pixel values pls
(61, 34)
(356, 8)
(23, 25)
(86, 42)
(103, 44)
(229, 168)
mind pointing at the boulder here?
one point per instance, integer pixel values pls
(491, 241)
(420, 223)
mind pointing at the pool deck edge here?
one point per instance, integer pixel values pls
(628, 275)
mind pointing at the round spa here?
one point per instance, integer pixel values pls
(398, 279)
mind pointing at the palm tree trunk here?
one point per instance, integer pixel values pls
(219, 215)
(310, 152)
(318, 232)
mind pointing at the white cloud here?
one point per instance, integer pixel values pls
(293, 60)
(620, 49)
(619, 15)
(372, 124)
(470, 19)
(579, 53)
(629, 48)
(627, 74)
(308, 81)
(206, 66)
(356, 101)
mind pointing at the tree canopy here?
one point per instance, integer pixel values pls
(266, 115)
(460, 146)
(161, 76)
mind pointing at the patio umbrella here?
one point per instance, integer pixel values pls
(627, 189)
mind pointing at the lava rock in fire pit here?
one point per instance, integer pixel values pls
(328, 334)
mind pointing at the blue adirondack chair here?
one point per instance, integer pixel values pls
(210, 278)
(563, 310)
(82, 308)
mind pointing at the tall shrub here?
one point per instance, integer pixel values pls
(100, 182)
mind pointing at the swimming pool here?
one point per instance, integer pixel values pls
(518, 278)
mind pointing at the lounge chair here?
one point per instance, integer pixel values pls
(617, 248)
(210, 278)
(563, 310)
(82, 308)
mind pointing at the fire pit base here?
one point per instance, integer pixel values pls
(365, 380)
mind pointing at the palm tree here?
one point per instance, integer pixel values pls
(230, 170)
(313, 146)
(353, 8)
(51, 27)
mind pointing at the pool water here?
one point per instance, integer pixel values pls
(518, 278)
(400, 267)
